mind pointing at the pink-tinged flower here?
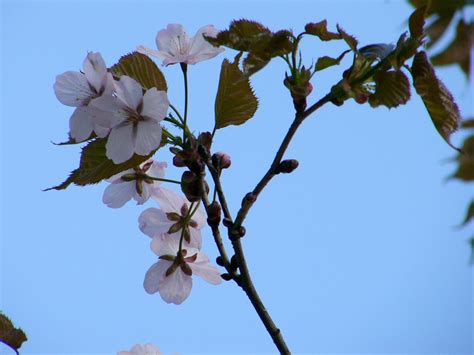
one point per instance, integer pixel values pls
(133, 183)
(171, 276)
(79, 89)
(135, 119)
(172, 218)
(147, 349)
(174, 45)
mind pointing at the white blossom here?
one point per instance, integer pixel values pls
(147, 349)
(174, 209)
(134, 183)
(171, 276)
(80, 89)
(134, 121)
(174, 45)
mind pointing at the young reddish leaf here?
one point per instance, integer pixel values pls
(326, 62)
(392, 88)
(469, 214)
(319, 29)
(141, 68)
(235, 100)
(465, 169)
(9, 335)
(459, 51)
(350, 40)
(438, 100)
(467, 123)
(95, 166)
(440, 7)
(416, 22)
(438, 27)
(377, 51)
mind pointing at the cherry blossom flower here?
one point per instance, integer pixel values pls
(147, 349)
(171, 276)
(133, 183)
(79, 89)
(174, 45)
(135, 121)
(171, 218)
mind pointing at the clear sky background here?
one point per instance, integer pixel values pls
(357, 251)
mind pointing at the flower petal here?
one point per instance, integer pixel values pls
(146, 193)
(155, 104)
(153, 53)
(147, 349)
(173, 40)
(175, 288)
(72, 89)
(95, 71)
(112, 111)
(120, 144)
(148, 137)
(80, 124)
(196, 238)
(165, 244)
(204, 269)
(154, 221)
(157, 169)
(129, 91)
(169, 200)
(200, 49)
(118, 193)
(154, 274)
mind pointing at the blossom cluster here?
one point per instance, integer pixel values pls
(174, 229)
(122, 110)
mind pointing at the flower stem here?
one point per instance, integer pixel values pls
(184, 69)
(164, 180)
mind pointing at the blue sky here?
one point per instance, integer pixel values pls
(357, 251)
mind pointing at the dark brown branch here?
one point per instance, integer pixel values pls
(272, 171)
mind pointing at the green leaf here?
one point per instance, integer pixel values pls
(256, 39)
(235, 100)
(241, 35)
(350, 40)
(141, 68)
(9, 335)
(319, 29)
(95, 166)
(392, 88)
(459, 50)
(439, 102)
(469, 214)
(465, 170)
(71, 140)
(253, 63)
(326, 62)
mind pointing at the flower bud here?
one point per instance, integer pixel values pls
(287, 166)
(178, 162)
(361, 98)
(234, 263)
(205, 139)
(214, 214)
(226, 277)
(250, 197)
(221, 160)
(191, 186)
(227, 222)
(220, 261)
